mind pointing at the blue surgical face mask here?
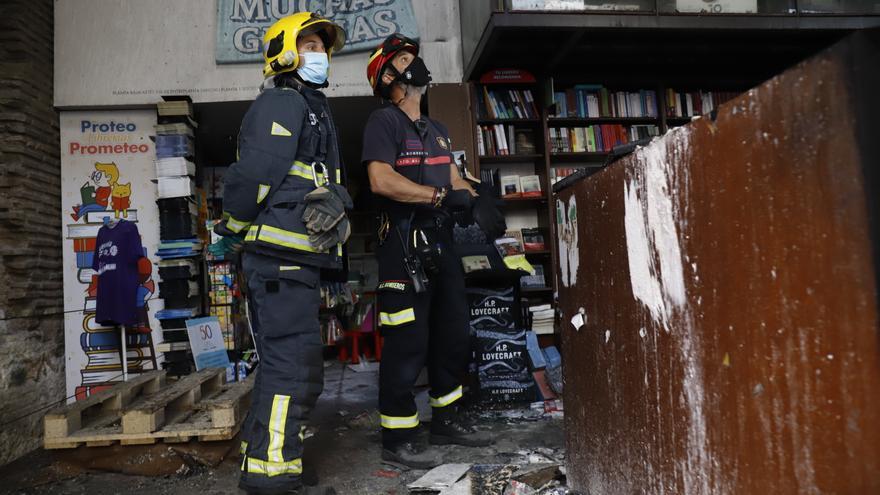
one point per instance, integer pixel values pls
(314, 67)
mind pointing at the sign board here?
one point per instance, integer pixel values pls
(242, 23)
(206, 343)
(718, 6)
(106, 167)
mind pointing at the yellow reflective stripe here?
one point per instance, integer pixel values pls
(288, 268)
(277, 424)
(393, 319)
(285, 238)
(262, 192)
(235, 224)
(396, 422)
(252, 233)
(301, 169)
(339, 250)
(446, 399)
(304, 170)
(270, 468)
(338, 176)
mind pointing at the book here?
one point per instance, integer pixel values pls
(525, 141)
(533, 239)
(508, 246)
(174, 166)
(475, 263)
(535, 280)
(82, 231)
(97, 217)
(510, 187)
(530, 186)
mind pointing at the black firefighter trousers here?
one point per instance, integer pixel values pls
(430, 328)
(284, 301)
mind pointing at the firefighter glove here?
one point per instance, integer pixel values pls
(487, 214)
(325, 207)
(458, 200)
(338, 234)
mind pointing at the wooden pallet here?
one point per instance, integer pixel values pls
(197, 406)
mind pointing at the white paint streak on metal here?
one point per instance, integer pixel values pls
(654, 218)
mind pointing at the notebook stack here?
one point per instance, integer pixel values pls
(180, 249)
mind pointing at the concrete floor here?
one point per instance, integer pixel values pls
(344, 450)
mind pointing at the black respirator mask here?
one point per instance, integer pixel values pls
(415, 74)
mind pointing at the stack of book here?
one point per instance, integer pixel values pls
(595, 101)
(692, 103)
(507, 104)
(180, 249)
(597, 138)
(542, 318)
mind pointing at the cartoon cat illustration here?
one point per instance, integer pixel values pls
(120, 194)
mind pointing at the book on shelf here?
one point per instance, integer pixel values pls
(559, 173)
(500, 104)
(533, 239)
(600, 138)
(509, 246)
(542, 317)
(594, 101)
(517, 236)
(502, 140)
(530, 186)
(683, 104)
(510, 187)
(535, 280)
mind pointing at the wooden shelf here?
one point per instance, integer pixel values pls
(530, 200)
(678, 120)
(510, 158)
(507, 121)
(581, 121)
(543, 252)
(535, 290)
(579, 157)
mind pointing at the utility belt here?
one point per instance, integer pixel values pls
(423, 236)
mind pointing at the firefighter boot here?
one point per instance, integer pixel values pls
(448, 427)
(408, 455)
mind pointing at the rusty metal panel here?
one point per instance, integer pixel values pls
(729, 293)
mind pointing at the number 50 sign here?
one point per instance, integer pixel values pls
(206, 342)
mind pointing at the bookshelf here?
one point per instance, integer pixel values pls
(578, 131)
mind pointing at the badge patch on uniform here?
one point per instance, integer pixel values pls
(279, 130)
(442, 142)
(396, 285)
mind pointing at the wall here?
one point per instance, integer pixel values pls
(31, 347)
(118, 52)
(729, 288)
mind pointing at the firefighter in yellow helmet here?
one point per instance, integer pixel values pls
(284, 200)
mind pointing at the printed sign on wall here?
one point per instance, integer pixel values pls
(718, 6)
(106, 167)
(242, 23)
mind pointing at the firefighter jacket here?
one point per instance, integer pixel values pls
(287, 146)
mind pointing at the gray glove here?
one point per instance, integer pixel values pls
(325, 207)
(322, 241)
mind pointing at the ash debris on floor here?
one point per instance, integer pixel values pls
(344, 448)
